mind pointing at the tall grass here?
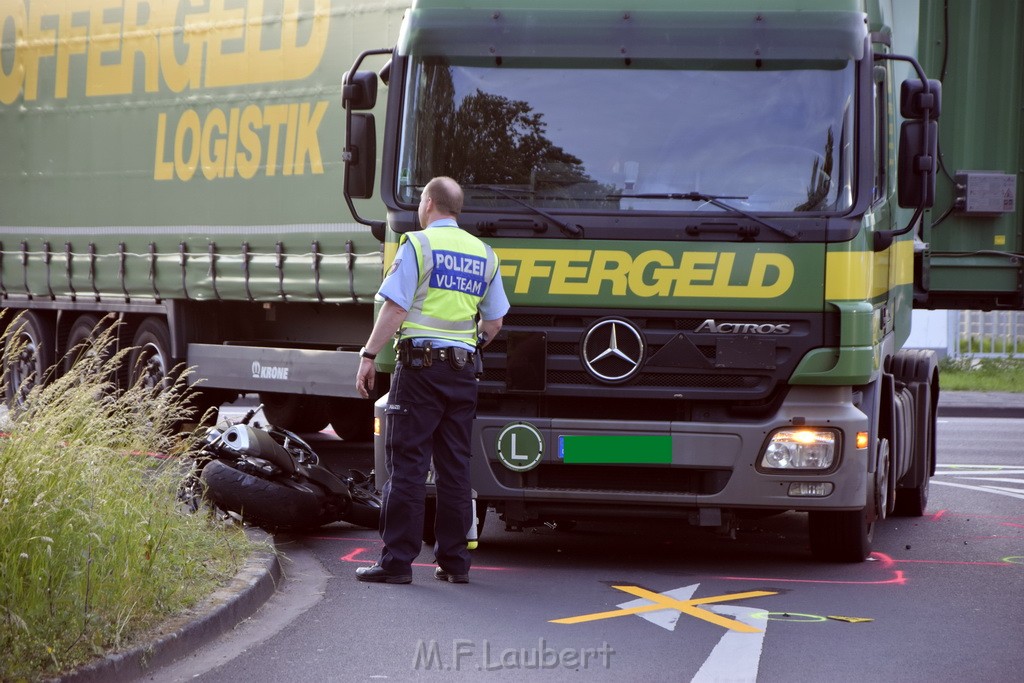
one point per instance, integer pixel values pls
(94, 547)
(982, 374)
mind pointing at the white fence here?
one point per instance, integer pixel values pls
(956, 334)
(985, 333)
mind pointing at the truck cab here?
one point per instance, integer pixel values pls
(713, 225)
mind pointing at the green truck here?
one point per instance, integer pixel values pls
(714, 219)
(177, 166)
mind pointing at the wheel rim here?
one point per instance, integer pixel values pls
(152, 368)
(882, 480)
(25, 369)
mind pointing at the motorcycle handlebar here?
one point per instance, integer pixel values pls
(252, 413)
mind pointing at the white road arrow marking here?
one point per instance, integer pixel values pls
(737, 656)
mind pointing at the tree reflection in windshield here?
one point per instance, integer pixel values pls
(821, 180)
(579, 137)
(490, 139)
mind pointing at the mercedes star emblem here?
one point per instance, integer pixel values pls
(612, 350)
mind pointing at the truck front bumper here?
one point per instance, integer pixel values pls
(667, 468)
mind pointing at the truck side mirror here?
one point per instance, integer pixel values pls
(914, 101)
(919, 145)
(360, 156)
(920, 104)
(359, 90)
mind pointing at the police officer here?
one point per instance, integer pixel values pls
(442, 279)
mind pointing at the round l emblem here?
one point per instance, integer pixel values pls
(520, 446)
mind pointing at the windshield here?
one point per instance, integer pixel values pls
(591, 136)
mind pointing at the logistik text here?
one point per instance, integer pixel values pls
(57, 50)
(653, 273)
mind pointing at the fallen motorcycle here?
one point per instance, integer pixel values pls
(272, 478)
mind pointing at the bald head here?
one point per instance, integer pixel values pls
(446, 195)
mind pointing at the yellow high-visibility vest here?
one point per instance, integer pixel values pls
(455, 270)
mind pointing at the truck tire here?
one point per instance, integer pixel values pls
(150, 361)
(28, 356)
(272, 505)
(81, 340)
(846, 535)
(352, 419)
(294, 412)
(912, 491)
(917, 369)
(840, 535)
(78, 342)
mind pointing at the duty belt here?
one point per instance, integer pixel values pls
(424, 356)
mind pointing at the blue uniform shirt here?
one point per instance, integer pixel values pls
(401, 281)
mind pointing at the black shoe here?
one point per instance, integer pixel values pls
(377, 574)
(442, 575)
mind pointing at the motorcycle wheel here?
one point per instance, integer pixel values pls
(273, 505)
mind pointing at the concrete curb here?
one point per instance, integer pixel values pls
(981, 404)
(220, 612)
(1009, 411)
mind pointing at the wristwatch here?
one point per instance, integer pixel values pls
(366, 354)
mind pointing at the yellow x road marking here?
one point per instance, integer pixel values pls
(660, 602)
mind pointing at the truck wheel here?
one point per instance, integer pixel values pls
(28, 356)
(78, 343)
(846, 535)
(150, 361)
(918, 371)
(352, 418)
(840, 535)
(294, 412)
(263, 502)
(912, 495)
(81, 341)
(913, 501)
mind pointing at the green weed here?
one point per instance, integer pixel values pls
(94, 548)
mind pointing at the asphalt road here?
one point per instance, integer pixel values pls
(939, 600)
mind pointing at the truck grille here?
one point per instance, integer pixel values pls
(541, 353)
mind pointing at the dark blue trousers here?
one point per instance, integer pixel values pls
(430, 413)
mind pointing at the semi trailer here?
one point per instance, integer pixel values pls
(176, 166)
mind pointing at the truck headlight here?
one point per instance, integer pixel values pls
(800, 449)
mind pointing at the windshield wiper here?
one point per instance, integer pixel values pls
(568, 229)
(714, 199)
